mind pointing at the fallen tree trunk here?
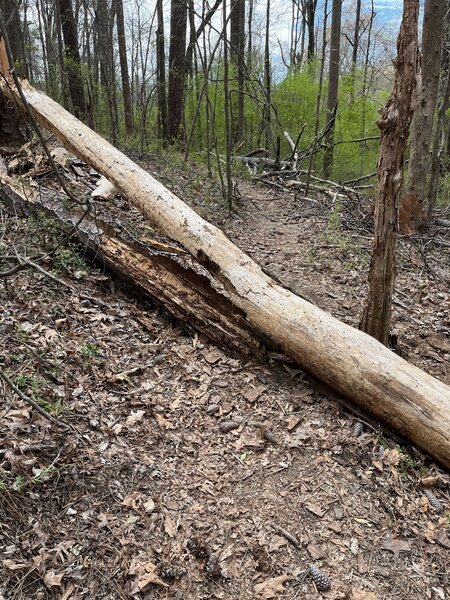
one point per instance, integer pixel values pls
(402, 396)
(154, 270)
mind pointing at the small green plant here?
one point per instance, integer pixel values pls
(52, 408)
(2, 485)
(19, 483)
(90, 351)
(67, 259)
(57, 311)
(24, 381)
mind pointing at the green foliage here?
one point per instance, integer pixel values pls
(90, 351)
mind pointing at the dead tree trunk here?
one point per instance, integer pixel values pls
(402, 396)
(160, 271)
(394, 126)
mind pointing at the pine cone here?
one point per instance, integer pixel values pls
(227, 426)
(435, 503)
(358, 429)
(321, 580)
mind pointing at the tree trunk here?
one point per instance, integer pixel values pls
(356, 35)
(11, 17)
(158, 272)
(177, 69)
(267, 81)
(394, 126)
(310, 17)
(333, 86)
(399, 394)
(237, 39)
(413, 213)
(126, 90)
(72, 61)
(161, 72)
(437, 147)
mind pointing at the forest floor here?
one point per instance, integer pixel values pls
(185, 461)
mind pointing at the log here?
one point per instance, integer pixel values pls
(151, 268)
(400, 395)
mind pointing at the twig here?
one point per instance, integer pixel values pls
(29, 400)
(290, 538)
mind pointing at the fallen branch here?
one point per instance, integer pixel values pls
(30, 401)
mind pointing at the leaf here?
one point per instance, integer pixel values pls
(146, 575)
(170, 527)
(53, 579)
(134, 417)
(396, 546)
(271, 587)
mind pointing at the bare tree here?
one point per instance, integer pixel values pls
(72, 62)
(237, 38)
(11, 16)
(126, 90)
(161, 71)
(177, 68)
(310, 12)
(333, 85)
(413, 210)
(394, 126)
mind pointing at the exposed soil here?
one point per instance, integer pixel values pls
(186, 461)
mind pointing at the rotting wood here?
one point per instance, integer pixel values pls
(402, 396)
(184, 292)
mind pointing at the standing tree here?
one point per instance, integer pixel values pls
(356, 34)
(394, 126)
(126, 89)
(161, 72)
(413, 213)
(310, 10)
(267, 80)
(237, 39)
(177, 68)
(11, 16)
(72, 61)
(333, 86)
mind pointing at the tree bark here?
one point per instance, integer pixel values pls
(237, 39)
(72, 61)
(333, 86)
(11, 17)
(413, 213)
(177, 69)
(356, 35)
(159, 271)
(126, 89)
(402, 396)
(267, 81)
(394, 126)
(310, 18)
(161, 72)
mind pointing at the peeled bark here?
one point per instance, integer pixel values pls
(394, 126)
(402, 396)
(157, 270)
